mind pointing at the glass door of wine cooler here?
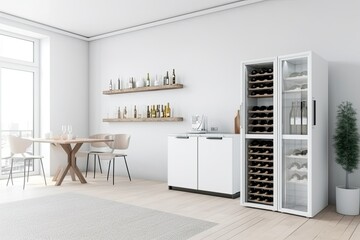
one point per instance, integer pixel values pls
(294, 134)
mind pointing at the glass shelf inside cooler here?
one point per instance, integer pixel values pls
(294, 170)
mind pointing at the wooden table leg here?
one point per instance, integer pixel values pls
(71, 164)
(57, 173)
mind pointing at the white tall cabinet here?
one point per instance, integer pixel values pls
(285, 121)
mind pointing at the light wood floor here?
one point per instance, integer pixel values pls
(234, 221)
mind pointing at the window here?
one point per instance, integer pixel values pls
(19, 94)
(16, 48)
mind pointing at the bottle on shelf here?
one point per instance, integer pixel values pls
(304, 120)
(167, 79)
(135, 112)
(158, 111)
(119, 83)
(153, 112)
(119, 113)
(292, 119)
(130, 84)
(162, 111)
(125, 113)
(173, 77)
(298, 117)
(168, 110)
(110, 85)
(147, 80)
(148, 114)
(156, 81)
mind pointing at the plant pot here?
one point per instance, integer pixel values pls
(347, 201)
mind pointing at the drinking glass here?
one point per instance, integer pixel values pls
(69, 128)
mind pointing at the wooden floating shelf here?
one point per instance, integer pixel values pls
(171, 119)
(143, 89)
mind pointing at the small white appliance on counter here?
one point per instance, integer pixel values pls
(198, 124)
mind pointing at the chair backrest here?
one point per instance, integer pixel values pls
(18, 145)
(99, 144)
(120, 141)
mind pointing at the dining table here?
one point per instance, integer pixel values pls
(71, 147)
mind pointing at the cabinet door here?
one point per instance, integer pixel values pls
(216, 165)
(182, 162)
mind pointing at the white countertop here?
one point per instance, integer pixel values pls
(208, 134)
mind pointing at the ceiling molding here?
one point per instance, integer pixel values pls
(42, 26)
(177, 18)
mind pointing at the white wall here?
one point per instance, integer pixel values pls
(206, 52)
(64, 86)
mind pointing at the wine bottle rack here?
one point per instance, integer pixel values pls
(260, 172)
(261, 84)
(261, 120)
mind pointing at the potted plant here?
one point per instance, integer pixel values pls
(347, 155)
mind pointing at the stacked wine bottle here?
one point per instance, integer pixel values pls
(261, 119)
(261, 172)
(261, 83)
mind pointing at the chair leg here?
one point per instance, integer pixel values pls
(42, 167)
(24, 173)
(107, 178)
(10, 174)
(94, 164)
(113, 171)
(27, 180)
(87, 164)
(127, 168)
(99, 164)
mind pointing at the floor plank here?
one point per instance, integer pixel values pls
(233, 221)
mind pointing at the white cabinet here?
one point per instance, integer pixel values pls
(182, 161)
(285, 118)
(205, 163)
(218, 165)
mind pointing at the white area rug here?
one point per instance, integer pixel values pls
(74, 216)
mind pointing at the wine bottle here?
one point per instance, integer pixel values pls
(148, 80)
(119, 113)
(125, 113)
(148, 112)
(168, 111)
(162, 111)
(304, 120)
(269, 70)
(167, 79)
(154, 111)
(173, 77)
(135, 112)
(253, 72)
(292, 118)
(130, 84)
(298, 117)
(110, 85)
(119, 84)
(158, 111)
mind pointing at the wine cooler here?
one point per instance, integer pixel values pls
(284, 125)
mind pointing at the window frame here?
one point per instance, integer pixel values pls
(33, 67)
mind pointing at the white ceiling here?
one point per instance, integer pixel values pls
(90, 18)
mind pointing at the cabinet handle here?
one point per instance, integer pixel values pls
(314, 102)
(182, 137)
(214, 138)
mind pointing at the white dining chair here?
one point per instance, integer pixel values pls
(95, 149)
(118, 146)
(18, 149)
